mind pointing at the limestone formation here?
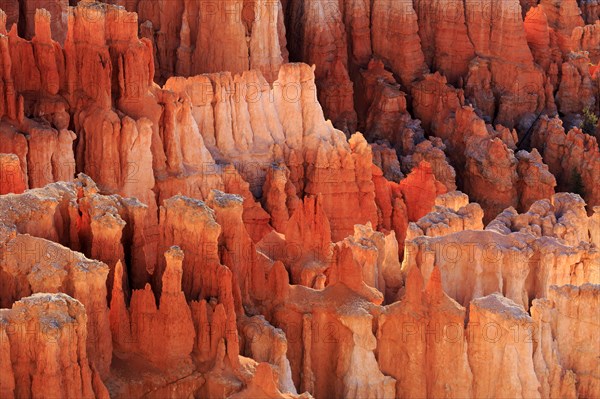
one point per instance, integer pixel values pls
(560, 151)
(42, 336)
(185, 214)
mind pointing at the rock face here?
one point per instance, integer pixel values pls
(563, 17)
(485, 156)
(445, 38)
(184, 213)
(12, 179)
(426, 326)
(503, 257)
(42, 336)
(568, 308)
(559, 149)
(398, 42)
(492, 321)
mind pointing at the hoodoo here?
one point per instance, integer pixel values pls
(299, 199)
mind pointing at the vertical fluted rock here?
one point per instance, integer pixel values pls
(484, 156)
(565, 324)
(191, 225)
(264, 47)
(419, 189)
(576, 90)
(193, 37)
(236, 248)
(395, 35)
(11, 14)
(221, 42)
(571, 157)
(520, 255)
(563, 17)
(353, 267)
(387, 116)
(50, 157)
(503, 80)
(538, 36)
(44, 266)
(44, 335)
(163, 335)
(12, 178)
(308, 236)
(246, 122)
(425, 326)
(590, 10)
(535, 180)
(265, 343)
(57, 9)
(432, 151)
(378, 254)
(473, 263)
(279, 197)
(587, 38)
(255, 218)
(317, 36)
(357, 18)
(499, 335)
(363, 377)
(444, 37)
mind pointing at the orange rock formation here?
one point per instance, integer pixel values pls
(184, 213)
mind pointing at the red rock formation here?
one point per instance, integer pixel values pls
(279, 197)
(12, 179)
(11, 14)
(57, 11)
(317, 36)
(539, 37)
(255, 218)
(452, 213)
(192, 38)
(308, 239)
(163, 335)
(263, 385)
(587, 38)
(425, 326)
(535, 181)
(504, 71)
(42, 336)
(419, 189)
(565, 324)
(563, 17)
(590, 10)
(499, 332)
(386, 160)
(396, 41)
(237, 236)
(191, 225)
(265, 343)
(43, 266)
(483, 155)
(303, 140)
(576, 90)
(573, 158)
(444, 37)
(520, 255)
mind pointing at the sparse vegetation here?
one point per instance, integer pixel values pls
(577, 185)
(590, 121)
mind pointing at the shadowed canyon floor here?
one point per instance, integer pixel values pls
(299, 199)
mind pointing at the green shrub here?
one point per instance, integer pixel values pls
(590, 121)
(577, 186)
